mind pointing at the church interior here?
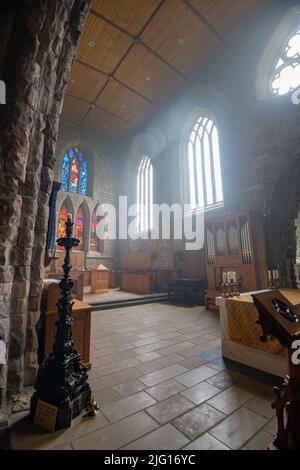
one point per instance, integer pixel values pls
(150, 225)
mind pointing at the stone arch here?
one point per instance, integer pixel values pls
(65, 203)
(100, 243)
(87, 223)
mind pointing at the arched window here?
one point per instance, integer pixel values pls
(94, 240)
(202, 164)
(63, 215)
(80, 227)
(145, 195)
(286, 73)
(74, 172)
(279, 67)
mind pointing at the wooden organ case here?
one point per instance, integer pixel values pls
(235, 242)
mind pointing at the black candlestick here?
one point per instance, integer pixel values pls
(62, 379)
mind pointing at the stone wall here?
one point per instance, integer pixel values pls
(40, 38)
(259, 142)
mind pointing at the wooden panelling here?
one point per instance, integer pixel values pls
(140, 261)
(141, 64)
(178, 36)
(74, 109)
(230, 17)
(128, 14)
(194, 265)
(109, 44)
(85, 82)
(125, 103)
(135, 282)
(108, 125)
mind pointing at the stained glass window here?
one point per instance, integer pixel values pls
(94, 240)
(79, 227)
(65, 173)
(74, 172)
(203, 165)
(286, 75)
(61, 227)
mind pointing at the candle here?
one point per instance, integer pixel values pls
(277, 274)
(274, 274)
(234, 276)
(70, 216)
(269, 275)
(224, 278)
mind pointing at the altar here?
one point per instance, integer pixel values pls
(240, 334)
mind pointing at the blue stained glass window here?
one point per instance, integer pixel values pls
(65, 173)
(83, 177)
(74, 172)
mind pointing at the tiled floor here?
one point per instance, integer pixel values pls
(110, 296)
(162, 384)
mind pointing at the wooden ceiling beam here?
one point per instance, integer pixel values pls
(99, 107)
(207, 24)
(134, 40)
(121, 83)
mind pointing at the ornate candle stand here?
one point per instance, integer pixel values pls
(62, 379)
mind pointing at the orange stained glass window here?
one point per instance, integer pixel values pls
(79, 227)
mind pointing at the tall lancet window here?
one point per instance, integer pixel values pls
(145, 195)
(203, 165)
(286, 72)
(74, 172)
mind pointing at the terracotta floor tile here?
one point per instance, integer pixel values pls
(261, 407)
(192, 363)
(197, 421)
(272, 427)
(129, 388)
(127, 374)
(165, 389)
(117, 435)
(230, 399)
(238, 428)
(103, 382)
(162, 375)
(127, 406)
(259, 442)
(174, 348)
(206, 442)
(168, 409)
(165, 438)
(148, 367)
(200, 393)
(147, 334)
(174, 358)
(108, 395)
(147, 357)
(196, 375)
(222, 380)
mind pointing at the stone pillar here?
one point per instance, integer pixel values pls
(41, 46)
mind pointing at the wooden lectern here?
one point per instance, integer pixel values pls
(281, 319)
(99, 279)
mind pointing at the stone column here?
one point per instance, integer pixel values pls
(40, 49)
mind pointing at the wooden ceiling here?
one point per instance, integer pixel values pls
(134, 55)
